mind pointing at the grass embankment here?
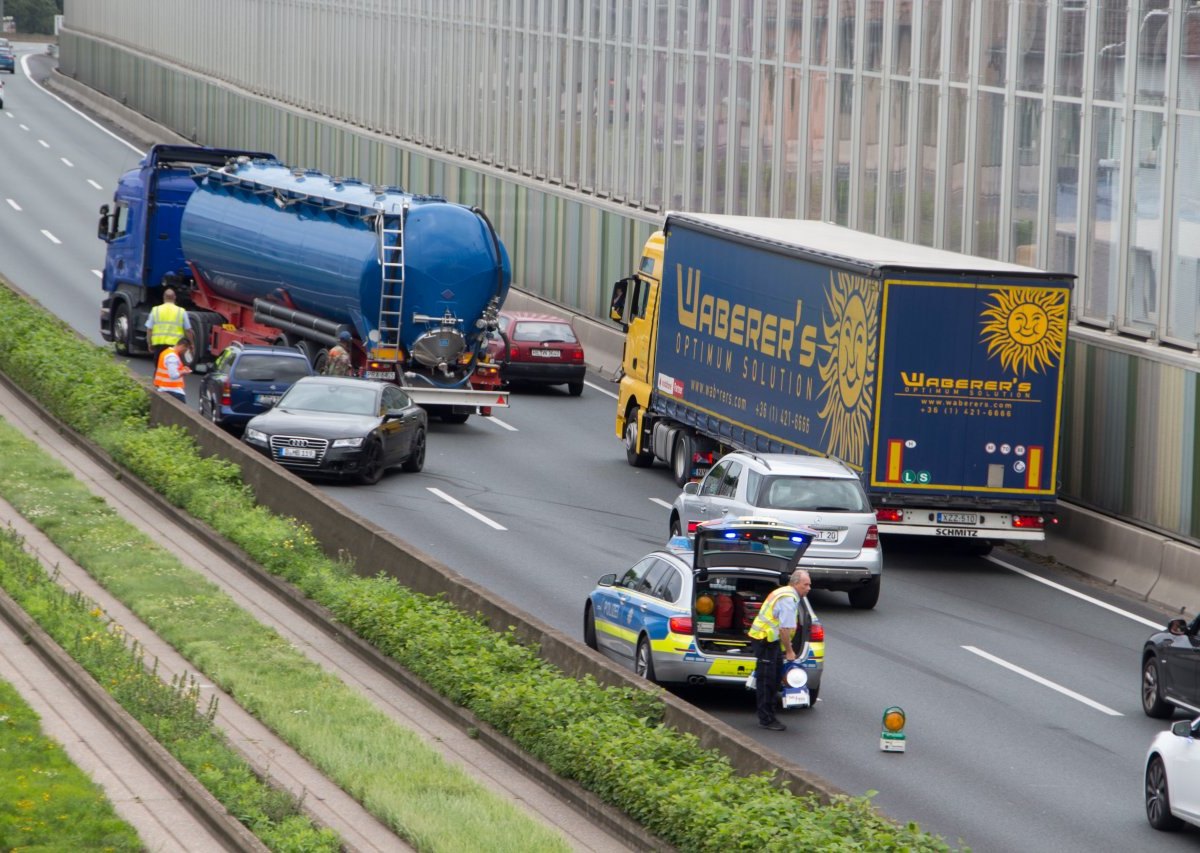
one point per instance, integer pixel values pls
(610, 740)
(45, 799)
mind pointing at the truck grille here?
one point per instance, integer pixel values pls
(294, 450)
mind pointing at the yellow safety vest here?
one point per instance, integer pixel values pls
(766, 625)
(162, 376)
(166, 325)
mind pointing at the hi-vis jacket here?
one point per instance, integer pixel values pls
(766, 623)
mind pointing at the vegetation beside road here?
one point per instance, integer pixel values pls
(610, 740)
(46, 801)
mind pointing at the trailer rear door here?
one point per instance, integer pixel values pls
(969, 397)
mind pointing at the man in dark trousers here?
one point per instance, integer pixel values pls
(772, 632)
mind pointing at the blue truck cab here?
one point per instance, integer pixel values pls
(141, 228)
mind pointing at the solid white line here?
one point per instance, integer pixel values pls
(1141, 619)
(98, 274)
(660, 502)
(504, 424)
(601, 390)
(13, 204)
(83, 116)
(51, 237)
(1045, 682)
(467, 509)
(67, 163)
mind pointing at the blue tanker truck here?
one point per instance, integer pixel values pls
(262, 253)
(936, 375)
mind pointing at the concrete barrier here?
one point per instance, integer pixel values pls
(1109, 550)
(1176, 583)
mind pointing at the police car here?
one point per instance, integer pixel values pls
(681, 614)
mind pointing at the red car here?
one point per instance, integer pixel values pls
(538, 349)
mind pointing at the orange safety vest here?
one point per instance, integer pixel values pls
(166, 325)
(162, 376)
(766, 624)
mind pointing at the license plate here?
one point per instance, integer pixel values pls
(547, 353)
(388, 375)
(957, 518)
(266, 399)
(826, 535)
(298, 452)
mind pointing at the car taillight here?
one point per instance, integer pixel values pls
(514, 353)
(680, 624)
(1029, 522)
(577, 354)
(871, 540)
(692, 525)
(816, 634)
(226, 394)
(889, 515)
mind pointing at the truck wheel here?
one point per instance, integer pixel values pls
(416, 457)
(865, 597)
(644, 459)
(122, 329)
(682, 451)
(320, 360)
(311, 350)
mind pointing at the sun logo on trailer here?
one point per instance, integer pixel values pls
(848, 371)
(1026, 327)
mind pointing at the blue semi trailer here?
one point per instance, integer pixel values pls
(937, 375)
(259, 252)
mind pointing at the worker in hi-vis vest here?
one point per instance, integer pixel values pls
(772, 632)
(166, 324)
(168, 378)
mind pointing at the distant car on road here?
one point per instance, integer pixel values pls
(822, 495)
(247, 380)
(538, 349)
(681, 613)
(1170, 663)
(338, 426)
(8, 61)
(1173, 777)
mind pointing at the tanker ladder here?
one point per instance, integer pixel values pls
(391, 264)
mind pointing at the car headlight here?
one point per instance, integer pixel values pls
(256, 436)
(348, 442)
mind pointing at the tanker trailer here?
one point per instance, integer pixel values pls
(262, 253)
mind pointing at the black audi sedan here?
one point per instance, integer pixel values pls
(1170, 662)
(340, 427)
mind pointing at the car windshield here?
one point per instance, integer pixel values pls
(321, 397)
(826, 494)
(253, 367)
(543, 332)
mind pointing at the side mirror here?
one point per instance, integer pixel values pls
(1177, 626)
(692, 487)
(608, 580)
(104, 228)
(1182, 729)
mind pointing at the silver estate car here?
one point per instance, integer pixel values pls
(823, 495)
